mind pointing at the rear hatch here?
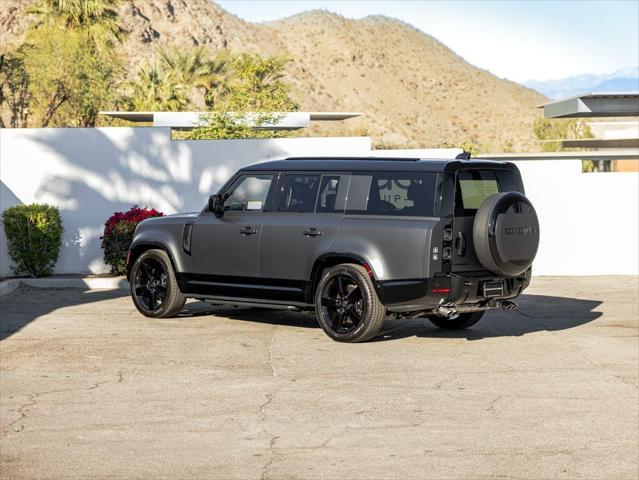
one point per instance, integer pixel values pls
(472, 187)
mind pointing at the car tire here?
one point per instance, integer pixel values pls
(463, 320)
(154, 289)
(346, 304)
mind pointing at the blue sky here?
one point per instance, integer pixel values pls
(518, 40)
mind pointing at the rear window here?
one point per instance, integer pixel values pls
(473, 187)
(474, 192)
(394, 193)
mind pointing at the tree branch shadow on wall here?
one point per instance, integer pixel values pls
(103, 175)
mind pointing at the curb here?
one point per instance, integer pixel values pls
(82, 283)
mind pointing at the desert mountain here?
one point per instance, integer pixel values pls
(412, 89)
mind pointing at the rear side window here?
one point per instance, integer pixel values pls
(327, 198)
(396, 194)
(299, 193)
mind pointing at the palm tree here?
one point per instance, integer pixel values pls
(218, 77)
(193, 69)
(156, 90)
(98, 18)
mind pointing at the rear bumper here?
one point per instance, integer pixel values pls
(476, 288)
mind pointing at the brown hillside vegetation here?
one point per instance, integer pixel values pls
(413, 90)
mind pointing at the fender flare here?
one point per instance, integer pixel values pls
(332, 257)
(142, 246)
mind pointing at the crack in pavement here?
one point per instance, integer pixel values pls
(272, 439)
(270, 351)
(262, 411)
(271, 450)
(493, 403)
(33, 400)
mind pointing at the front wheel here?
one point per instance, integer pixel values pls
(154, 288)
(347, 306)
(463, 320)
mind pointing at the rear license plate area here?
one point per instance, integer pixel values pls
(493, 289)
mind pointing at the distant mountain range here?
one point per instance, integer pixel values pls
(620, 81)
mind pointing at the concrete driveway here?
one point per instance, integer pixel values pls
(91, 389)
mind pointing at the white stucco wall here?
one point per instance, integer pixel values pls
(589, 222)
(91, 173)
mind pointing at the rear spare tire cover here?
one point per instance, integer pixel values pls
(506, 233)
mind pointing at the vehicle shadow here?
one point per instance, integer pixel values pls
(535, 313)
(292, 318)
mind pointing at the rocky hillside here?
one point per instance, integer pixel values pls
(413, 90)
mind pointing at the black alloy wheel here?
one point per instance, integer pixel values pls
(346, 304)
(154, 288)
(342, 304)
(150, 284)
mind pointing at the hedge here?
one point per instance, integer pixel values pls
(34, 237)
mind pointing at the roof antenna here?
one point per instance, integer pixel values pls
(463, 156)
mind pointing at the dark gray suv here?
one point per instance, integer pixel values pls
(355, 239)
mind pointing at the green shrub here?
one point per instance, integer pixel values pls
(118, 235)
(34, 236)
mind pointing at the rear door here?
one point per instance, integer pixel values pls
(472, 187)
(310, 207)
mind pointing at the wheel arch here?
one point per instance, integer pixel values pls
(139, 248)
(331, 259)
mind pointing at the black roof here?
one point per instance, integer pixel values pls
(369, 164)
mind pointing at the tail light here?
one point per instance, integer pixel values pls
(440, 290)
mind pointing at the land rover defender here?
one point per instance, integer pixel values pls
(355, 239)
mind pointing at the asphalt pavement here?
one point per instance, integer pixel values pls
(89, 389)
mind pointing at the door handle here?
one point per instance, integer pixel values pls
(312, 232)
(248, 230)
(460, 244)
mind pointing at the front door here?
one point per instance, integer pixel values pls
(227, 247)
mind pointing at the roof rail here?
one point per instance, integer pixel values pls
(463, 156)
(386, 159)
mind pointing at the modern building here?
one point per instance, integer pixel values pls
(615, 146)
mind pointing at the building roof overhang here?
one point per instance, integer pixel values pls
(188, 120)
(594, 104)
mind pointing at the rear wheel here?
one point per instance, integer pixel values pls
(154, 289)
(463, 320)
(347, 306)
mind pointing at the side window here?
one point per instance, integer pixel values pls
(299, 193)
(327, 198)
(248, 193)
(402, 194)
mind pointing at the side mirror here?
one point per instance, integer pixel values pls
(216, 206)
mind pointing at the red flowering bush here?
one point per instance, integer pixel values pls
(118, 235)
